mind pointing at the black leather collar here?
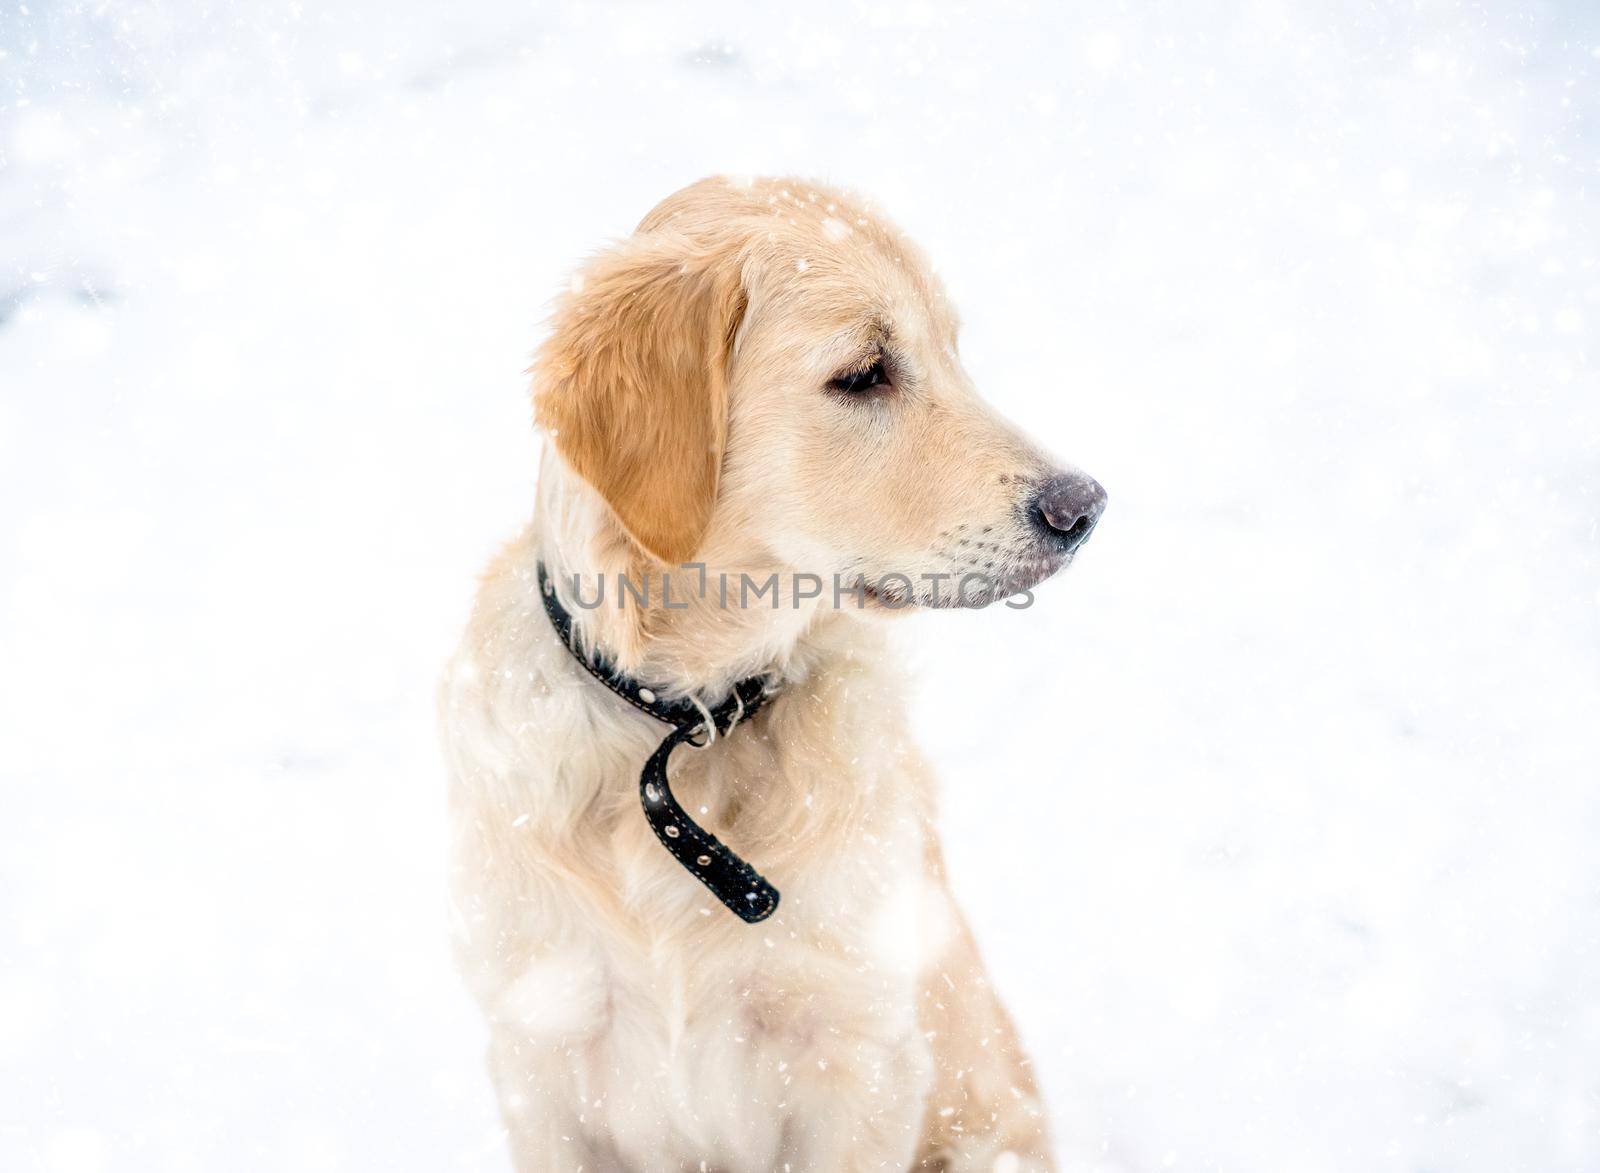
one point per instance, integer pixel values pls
(732, 881)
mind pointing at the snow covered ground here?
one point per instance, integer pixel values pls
(1298, 772)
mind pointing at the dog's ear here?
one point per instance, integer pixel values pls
(632, 385)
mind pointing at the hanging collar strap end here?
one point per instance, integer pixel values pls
(742, 889)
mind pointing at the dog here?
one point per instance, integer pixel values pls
(762, 379)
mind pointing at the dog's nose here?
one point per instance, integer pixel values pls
(1067, 507)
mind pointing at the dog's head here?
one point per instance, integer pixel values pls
(767, 374)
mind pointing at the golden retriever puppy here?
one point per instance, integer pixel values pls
(761, 444)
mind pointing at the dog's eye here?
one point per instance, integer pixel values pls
(856, 382)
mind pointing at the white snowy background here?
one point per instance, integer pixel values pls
(1278, 817)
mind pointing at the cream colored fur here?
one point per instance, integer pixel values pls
(635, 1024)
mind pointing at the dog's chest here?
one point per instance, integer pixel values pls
(723, 1059)
(626, 1003)
(695, 1037)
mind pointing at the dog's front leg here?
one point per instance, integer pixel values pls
(541, 1101)
(861, 1108)
(984, 1112)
